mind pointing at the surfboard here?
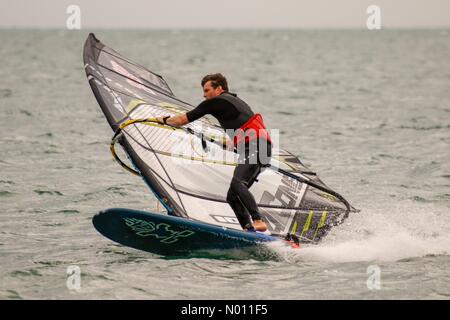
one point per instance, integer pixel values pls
(174, 236)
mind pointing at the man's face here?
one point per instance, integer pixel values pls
(209, 92)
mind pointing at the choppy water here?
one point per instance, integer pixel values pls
(369, 111)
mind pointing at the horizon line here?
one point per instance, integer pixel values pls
(383, 28)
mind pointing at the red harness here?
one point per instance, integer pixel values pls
(253, 129)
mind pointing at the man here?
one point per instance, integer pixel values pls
(233, 113)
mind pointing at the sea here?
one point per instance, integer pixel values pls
(369, 111)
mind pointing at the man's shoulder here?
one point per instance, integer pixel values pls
(209, 105)
(220, 99)
(219, 102)
(228, 96)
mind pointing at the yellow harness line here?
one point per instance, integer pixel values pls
(112, 148)
(150, 121)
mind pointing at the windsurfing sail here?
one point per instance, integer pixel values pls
(187, 170)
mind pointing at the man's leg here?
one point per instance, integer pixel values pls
(239, 209)
(243, 177)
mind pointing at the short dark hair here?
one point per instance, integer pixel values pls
(217, 79)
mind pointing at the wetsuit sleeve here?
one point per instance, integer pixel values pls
(219, 108)
(201, 110)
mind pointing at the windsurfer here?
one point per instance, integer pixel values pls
(249, 136)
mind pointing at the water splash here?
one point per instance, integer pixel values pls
(381, 234)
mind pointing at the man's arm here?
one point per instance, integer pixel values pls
(185, 118)
(176, 121)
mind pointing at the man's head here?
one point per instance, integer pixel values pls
(213, 85)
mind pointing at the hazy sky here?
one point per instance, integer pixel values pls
(224, 13)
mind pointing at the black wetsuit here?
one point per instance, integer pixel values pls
(232, 113)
